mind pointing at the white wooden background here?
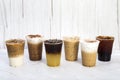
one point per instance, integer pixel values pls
(58, 18)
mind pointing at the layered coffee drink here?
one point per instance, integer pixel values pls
(89, 52)
(71, 46)
(105, 47)
(53, 52)
(35, 43)
(15, 49)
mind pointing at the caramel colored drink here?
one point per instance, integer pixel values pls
(35, 43)
(89, 52)
(71, 46)
(15, 49)
(53, 52)
(105, 47)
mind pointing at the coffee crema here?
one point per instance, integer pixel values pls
(34, 36)
(105, 37)
(15, 41)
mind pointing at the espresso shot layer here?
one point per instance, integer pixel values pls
(53, 46)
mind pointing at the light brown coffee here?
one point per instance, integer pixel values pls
(15, 47)
(89, 59)
(71, 50)
(71, 46)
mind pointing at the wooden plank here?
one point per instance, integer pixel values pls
(13, 18)
(3, 21)
(118, 21)
(87, 18)
(106, 11)
(78, 18)
(66, 15)
(55, 19)
(36, 17)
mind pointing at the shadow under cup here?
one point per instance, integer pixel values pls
(53, 52)
(105, 47)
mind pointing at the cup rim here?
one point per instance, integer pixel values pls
(34, 36)
(90, 41)
(47, 41)
(15, 41)
(71, 38)
(105, 38)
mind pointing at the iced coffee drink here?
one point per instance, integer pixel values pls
(105, 47)
(53, 52)
(71, 46)
(35, 43)
(15, 49)
(89, 52)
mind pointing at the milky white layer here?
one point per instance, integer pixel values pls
(89, 47)
(16, 61)
(34, 40)
(71, 39)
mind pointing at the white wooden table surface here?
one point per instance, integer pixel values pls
(66, 71)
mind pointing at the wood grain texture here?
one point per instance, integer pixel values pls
(107, 18)
(58, 18)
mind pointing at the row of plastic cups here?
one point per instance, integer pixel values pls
(89, 48)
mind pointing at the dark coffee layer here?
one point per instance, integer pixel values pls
(53, 46)
(105, 50)
(35, 51)
(53, 41)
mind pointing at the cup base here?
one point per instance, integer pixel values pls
(71, 59)
(53, 65)
(104, 57)
(88, 65)
(35, 59)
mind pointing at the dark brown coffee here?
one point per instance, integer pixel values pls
(53, 46)
(35, 51)
(35, 43)
(105, 47)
